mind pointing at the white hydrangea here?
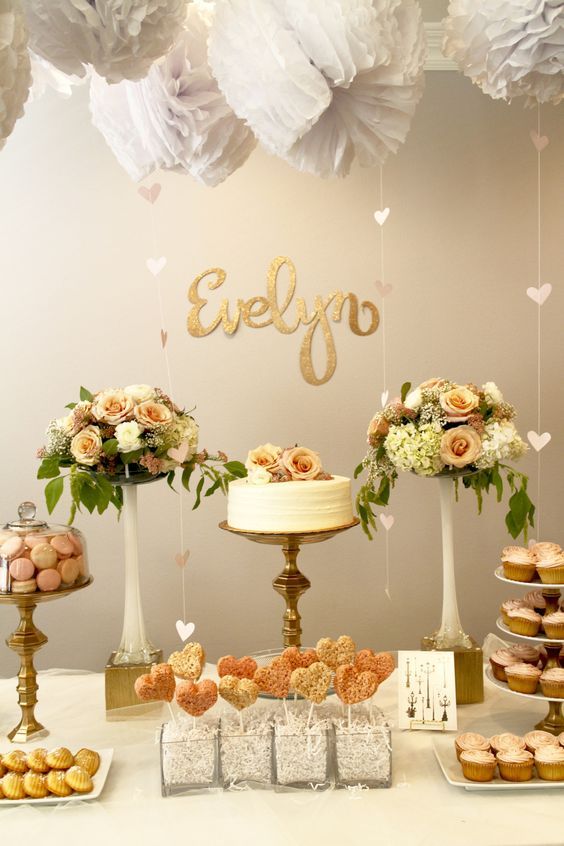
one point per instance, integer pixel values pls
(184, 429)
(410, 447)
(492, 393)
(500, 441)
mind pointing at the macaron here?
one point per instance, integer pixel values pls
(34, 539)
(29, 586)
(81, 565)
(68, 569)
(62, 545)
(21, 569)
(12, 548)
(76, 543)
(44, 556)
(48, 580)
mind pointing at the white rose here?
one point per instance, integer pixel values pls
(139, 393)
(492, 393)
(127, 435)
(413, 399)
(66, 424)
(259, 476)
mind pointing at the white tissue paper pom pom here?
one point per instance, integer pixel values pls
(46, 76)
(120, 38)
(176, 118)
(15, 66)
(510, 48)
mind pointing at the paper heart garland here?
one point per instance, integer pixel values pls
(312, 682)
(150, 194)
(164, 338)
(185, 630)
(381, 216)
(387, 520)
(181, 558)
(540, 295)
(158, 685)
(384, 398)
(155, 265)
(238, 692)
(179, 453)
(532, 542)
(539, 141)
(196, 698)
(382, 289)
(537, 441)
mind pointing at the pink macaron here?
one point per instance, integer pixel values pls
(48, 580)
(12, 548)
(21, 569)
(62, 545)
(76, 542)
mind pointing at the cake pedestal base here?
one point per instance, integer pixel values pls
(554, 721)
(468, 669)
(120, 688)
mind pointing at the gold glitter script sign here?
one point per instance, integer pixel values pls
(273, 308)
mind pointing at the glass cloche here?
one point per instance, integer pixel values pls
(35, 556)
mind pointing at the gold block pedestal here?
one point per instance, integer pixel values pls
(468, 668)
(121, 699)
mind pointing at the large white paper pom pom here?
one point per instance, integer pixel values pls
(120, 38)
(321, 81)
(510, 48)
(15, 66)
(47, 76)
(176, 118)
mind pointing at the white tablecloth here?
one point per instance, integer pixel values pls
(421, 808)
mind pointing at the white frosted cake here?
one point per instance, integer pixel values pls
(288, 491)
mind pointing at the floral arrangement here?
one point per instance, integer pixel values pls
(442, 428)
(123, 434)
(269, 463)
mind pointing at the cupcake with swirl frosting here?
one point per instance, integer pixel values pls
(512, 605)
(478, 765)
(551, 569)
(549, 761)
(545, 548)
(506, 740)
(515, 764)
(524, 621)
(499, 660)
(470, 741)
(553, 624)
(525, 653)
(518, 563)
(523, 678)
(552, 683)
(536, 601)
(535, 739)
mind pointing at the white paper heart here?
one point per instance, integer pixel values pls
(181, 558)
(532, 542)
(150, 194)
(540, 141)
(155, 265)
(179, 453)
(381, 216)
(384, 398)
(537, 441)
(540, 295)
(164, 338)
(185, 630)
(382, 289)
(387, 520)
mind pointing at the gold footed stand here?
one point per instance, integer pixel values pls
(468, 669)
(291, 582)
(25, 641)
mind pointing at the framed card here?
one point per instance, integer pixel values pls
(426, 691)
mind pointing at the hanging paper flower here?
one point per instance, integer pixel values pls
(176, 118)
(15, 68)
(510, 49)
(321, 82)
(120, 38)
(45, 75)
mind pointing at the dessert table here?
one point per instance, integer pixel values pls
(421, 807)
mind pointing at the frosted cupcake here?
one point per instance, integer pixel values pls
(470, 741)
(551, 569)
(523, 678)
(524, 621)
(535, 739)
(515, 765)
(552, 683)
(549, 761)
(545, 548)
(536, 601)
(512, 605)
(478, 765)
(518, 564)
(506, 740)
(525, 653)
(553, 624)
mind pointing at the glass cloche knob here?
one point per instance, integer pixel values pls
(26, 511)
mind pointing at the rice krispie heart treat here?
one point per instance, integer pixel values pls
(158, 685)
(238, 692)
(275, 679)
(189, 663)
(196, 697)
(312, 682)
(336, 652)
(352, 685)
(297, 659)
(381, 663)
(242, 668)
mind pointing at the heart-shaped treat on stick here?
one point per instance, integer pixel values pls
(275, 679)
(241, 668)
(312, 682)
(196, 697)
(189, 663)
(352, 685)
(336, 652)
(158, 685)
(381, 663)
(241, 693)
(297, 659)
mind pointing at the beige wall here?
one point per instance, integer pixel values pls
(79, 307)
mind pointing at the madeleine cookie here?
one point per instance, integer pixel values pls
(36, 760)
(13, 786)
(35, 785)
(78, 779)
(59, 758)
(15, 761)
(88, 760)
(57, 784)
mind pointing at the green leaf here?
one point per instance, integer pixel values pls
(212, 488)
(110, 446)
(498, 482)
(53, 491)
(236, 468)
(131, 457)
(170, 480)
(198, 493)
(186, 473)
(519, 505)
(513, 530)
(89, 496)
(358, 470)
(85, 395)
(71, 405)
(49, 468)
(405, 389)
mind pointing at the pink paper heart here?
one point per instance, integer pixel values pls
(155, 265)
(540, 295)
(537, 441)
(382, 289)
(384, 398)
(532, 542)
(185, 630)
(181, 558)
(164, 338)
(539, 141)
(179, 453)
(387, 520)
(151, 194)
(381, 216)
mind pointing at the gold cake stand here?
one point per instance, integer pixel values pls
(291, 582)
(26, 640)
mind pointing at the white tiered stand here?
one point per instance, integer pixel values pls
(554, 720)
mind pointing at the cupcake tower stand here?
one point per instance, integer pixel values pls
(554, 720)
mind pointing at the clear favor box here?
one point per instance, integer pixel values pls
(246, 757)
(303, 758)
(189, 757)
(363, 754)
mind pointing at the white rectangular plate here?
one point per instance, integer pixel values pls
(452, 771)
(99, 780)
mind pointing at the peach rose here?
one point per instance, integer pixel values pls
(86, 446)
(460, 446)
(151, 414)
(301, 463)
(429, 384)
(378, 428)
(458, 404)
(112, 407)
(265, 456)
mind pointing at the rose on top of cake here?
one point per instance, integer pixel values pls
(269, 463)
